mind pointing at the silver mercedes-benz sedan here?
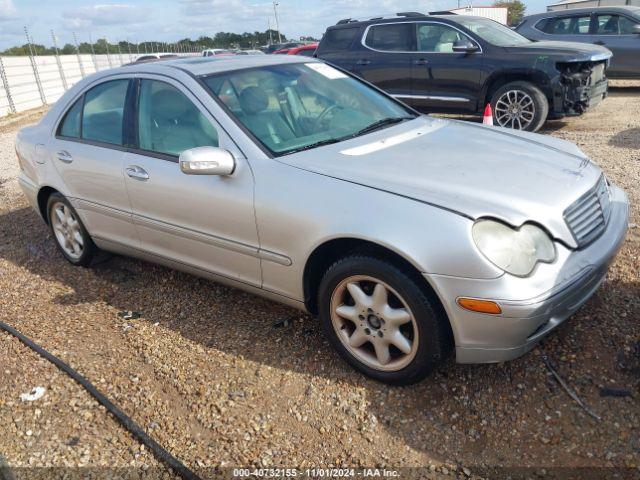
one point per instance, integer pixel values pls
(409, 237)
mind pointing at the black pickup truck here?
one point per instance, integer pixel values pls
(458, 64)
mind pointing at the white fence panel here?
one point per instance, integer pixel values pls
(23, 84)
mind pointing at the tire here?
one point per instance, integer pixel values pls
(427, 334)
(532, 104)
(69, 233)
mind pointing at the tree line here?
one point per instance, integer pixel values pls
(103, 46)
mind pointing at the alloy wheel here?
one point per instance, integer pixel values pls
(66, 228)
(515, 109)
(374, 323)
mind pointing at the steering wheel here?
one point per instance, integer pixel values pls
(323, 115)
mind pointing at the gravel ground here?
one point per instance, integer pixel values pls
(211, 378)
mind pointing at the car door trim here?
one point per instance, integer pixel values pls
(439, 98)
(212, 240)
(87, 205)
(366, 32)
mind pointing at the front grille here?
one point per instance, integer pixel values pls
(587, 217)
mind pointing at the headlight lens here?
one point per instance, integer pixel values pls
(516, 251)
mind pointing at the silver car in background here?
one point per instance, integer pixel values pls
(409, 237)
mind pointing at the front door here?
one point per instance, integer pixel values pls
(616, 33)
(88, 153)
(443, 79)
(385, 57)
(203, 221)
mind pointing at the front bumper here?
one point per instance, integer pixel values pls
(533, 306)
(569, 100)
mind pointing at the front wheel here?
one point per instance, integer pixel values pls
(380, 321)
(521, 106)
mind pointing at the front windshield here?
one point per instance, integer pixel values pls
(299, 106)
(493, 32)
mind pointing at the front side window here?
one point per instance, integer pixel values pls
(393, 37)
(613, 25)
(104, 111)
(169, 123)
(492, 32)
(70, 126)
(294, 107)
(568, 25)
(436, 37)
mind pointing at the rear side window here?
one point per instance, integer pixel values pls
(393, 37)
(575, 25)
(338, 39)
(70, 126)
(169, 123)
(104, 111)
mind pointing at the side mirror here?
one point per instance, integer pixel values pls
(207, 161)
(465, 46)
(636, 29)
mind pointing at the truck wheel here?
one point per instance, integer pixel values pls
(521, 106)
(68, 231)
(380, 321)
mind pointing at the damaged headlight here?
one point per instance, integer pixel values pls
(516, 251)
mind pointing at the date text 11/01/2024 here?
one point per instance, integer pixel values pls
(315, 473)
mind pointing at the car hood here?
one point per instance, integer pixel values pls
(467, 168)
(564, 51)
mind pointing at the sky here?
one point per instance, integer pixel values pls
(170, 20)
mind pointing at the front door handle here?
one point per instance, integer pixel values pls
(139, 173)
(421, 61)
(599, 42)
(64, 156)
(363, 61)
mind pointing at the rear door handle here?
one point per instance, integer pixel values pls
(363, 61)
(139, 173)
(421, 61)
(599, 42)
(64, 156)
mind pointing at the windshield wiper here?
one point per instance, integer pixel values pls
(328, 141)
(369, 128)
(379, 124)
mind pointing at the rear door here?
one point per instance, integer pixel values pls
(384, 58)
(616, 33)
(441, 78)
(88, 151)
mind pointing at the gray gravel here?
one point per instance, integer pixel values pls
(205, 371)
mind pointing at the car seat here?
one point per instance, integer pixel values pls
(269, 126)
(447, 39)
(176, 125)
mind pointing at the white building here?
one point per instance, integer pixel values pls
(568, 4)
(499, 14)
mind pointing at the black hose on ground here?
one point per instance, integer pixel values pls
(157, 449)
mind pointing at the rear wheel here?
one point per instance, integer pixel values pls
(380, 321)
(68, 231)
(521, 106)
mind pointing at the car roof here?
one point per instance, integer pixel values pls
(579, 11)
(200, 66)
(399, 18)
